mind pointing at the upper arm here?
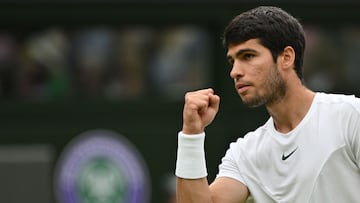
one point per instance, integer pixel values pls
(353, 130)
(228, 190)
(355, 141)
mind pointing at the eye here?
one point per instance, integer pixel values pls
(248, 56)
(231, 61)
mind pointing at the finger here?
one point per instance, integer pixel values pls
(200, 100)
(208, 90)
(203, 91)
(214, 101)
(197, 99)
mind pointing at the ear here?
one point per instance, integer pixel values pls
(287, 58)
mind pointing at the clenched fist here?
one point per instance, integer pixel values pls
(200, 109)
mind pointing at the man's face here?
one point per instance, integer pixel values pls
(255, 74)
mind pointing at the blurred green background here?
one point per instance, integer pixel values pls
(67, 67)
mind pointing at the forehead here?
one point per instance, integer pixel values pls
(251, 45)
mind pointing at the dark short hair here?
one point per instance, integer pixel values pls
(275, 30)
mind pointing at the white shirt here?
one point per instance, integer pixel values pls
(318, 161)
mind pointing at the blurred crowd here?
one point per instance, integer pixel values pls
(139, 61)
(332, 59)
(104, 62)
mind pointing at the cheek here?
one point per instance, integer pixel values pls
(262, 79)
(259, 75)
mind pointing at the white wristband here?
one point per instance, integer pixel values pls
(190, 163)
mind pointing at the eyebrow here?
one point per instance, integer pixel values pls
(240, 52)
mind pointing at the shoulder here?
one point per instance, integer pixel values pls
(339, 111)
(345, 103)
(251, 139)
(240, 151)
(336, 98)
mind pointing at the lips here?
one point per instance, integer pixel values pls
(242, 87)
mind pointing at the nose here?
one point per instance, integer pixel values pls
(236, 71)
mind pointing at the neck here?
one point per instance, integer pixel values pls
(288, 112)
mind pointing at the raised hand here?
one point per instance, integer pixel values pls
(199, 111)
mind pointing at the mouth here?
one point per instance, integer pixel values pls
(242, 87)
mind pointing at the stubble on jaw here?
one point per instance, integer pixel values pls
(274, 90)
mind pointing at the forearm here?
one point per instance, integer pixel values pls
(191, 172)
(192, 191)
(200, 109)
(192, 184)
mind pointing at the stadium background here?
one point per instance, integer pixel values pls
(147, 54)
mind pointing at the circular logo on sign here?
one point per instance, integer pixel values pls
(101, 166)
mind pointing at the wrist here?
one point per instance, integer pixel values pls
(190, 163)
(186, 130)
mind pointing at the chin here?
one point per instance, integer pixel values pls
(252, 102)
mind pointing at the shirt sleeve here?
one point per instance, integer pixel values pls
(355, 131)
(229, 166)
(351, 121)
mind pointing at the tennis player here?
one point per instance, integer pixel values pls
(307, 151)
